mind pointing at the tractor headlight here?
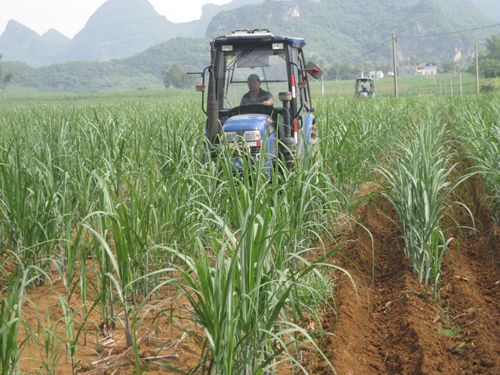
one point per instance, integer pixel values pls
(231, 136)
(252, 135)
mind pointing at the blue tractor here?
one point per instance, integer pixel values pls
(259, 100)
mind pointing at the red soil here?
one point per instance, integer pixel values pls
(164, 336)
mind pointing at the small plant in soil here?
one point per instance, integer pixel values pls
(449, 332)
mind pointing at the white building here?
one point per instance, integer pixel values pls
(426, 70)
(376, 74)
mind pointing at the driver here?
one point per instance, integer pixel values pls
(255, 94)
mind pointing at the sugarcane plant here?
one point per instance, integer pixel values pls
(420, 185)
(10, 311)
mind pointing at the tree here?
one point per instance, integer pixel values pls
(342, 71)
(4, 78)
(490, 63)
(447, 66)
(176, 76)
(493, 47)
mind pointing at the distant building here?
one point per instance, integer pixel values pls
(420, 70)
(376, 74)
(426, 70)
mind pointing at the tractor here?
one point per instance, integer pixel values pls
(258, 97)
(364, 87)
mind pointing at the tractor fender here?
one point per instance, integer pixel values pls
(307, 133)
(308, 125)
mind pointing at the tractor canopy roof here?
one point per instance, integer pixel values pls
(245, 37)
(364, 79)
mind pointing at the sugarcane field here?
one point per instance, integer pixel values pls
(267, 215)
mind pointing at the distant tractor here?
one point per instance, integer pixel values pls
(364, 87)
(259, 100)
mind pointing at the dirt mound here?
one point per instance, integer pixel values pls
(390, 325)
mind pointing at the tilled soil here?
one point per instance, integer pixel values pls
(384, 322)
(389, 324)
(165, 336)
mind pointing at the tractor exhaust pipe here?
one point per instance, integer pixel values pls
(286, 98)
(287, 146)
(213, 124)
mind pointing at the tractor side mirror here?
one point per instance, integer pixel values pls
(201, 87)
(313, 69)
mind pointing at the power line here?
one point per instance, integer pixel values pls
(423, 36)
(376, 48)
(383, 44)
(448, 33)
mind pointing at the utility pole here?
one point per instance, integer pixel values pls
(394, 64)
(461, 92)
(477, 69)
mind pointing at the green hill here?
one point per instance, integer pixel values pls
(141, 70)
(81, 76)
(340, 31)
(192, 53)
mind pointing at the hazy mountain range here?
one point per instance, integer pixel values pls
(118, 28)
(346, 31)
(130, 39)
(489, 7)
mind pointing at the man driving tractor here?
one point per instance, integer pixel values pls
(256, 95)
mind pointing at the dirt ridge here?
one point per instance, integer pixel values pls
(392, 325)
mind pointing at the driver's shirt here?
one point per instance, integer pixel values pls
(263, 96)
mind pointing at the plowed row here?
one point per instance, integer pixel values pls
(391, 325)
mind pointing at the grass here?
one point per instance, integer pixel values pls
(409, 86)
(445, 317)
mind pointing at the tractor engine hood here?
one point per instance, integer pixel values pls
(242, 123)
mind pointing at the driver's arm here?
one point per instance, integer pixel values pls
(267, 99)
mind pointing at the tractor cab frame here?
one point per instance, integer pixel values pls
(287, 126)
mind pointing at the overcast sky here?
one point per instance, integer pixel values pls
(70, 16)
